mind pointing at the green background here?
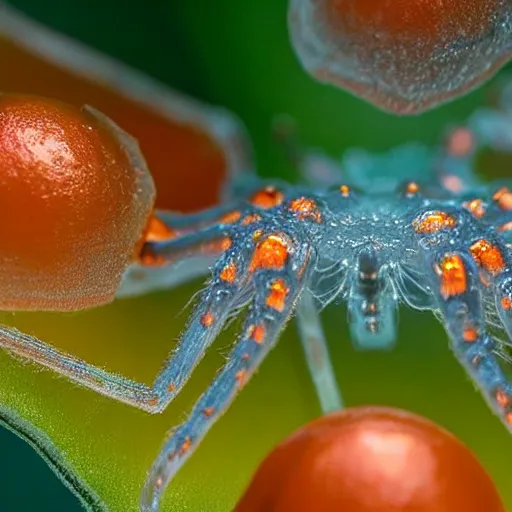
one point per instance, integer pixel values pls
(235, 54)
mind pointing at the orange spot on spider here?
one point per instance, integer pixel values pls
(433, 222)
(488, 256)
(209, 411)
(171, 387)
(228, 273)
(452, 183)
(207, 319)
(508, 418)
(249, 219)
(502, 399)
(476, 207)
(506, 227)
(185, 447)
(453, 276)
(269, 197)
(241, 377)
(216, 246)
(412, 188)
(272, 252)
(470, 335)
(345, 191)
(506, 303)
(257, 333)
(157, 231)
(159, 481)
(306, 208)
(153, 401)
(245, 357)
(230, 217)
(277, 295)
(460, 142)
(503, 198)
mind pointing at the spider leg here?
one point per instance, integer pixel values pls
(275, 295)
(317, 354)
(456, 278)
(207, 320)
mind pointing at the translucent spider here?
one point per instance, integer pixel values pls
(405, 57)
(440, 241)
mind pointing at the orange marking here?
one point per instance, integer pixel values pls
(249, 219)
(215, 246)
(277, 295)
(453, 276)
(412, 188)
(433, 222)
(228, 273)
(470, 335)
(508, 418)
(245, 357)
(270, 253)
(502, 399)
(269, 197)
(506, 303)
(306, 208)
(209, 411)
(460, 142)
(241, 377)
(153, 401)
(257, 333)
(157, 231)
(506, 227)
(171, 387)
(488, 256)
(185, 447)
(452, 183)
(345, 191)
(207, 319)
(230, 217)
(159, 482)
(504, 198)
(476, 207)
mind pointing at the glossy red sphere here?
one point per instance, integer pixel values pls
(75, 196)
(402, 55)
(371, 459)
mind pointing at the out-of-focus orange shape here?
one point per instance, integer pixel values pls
(191, 149)
(371, 459)
(75, 196)
(402, 55)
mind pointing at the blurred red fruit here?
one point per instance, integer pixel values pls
(371, 459)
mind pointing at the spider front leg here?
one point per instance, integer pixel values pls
(278, 274)
(459, 289)
(215, 303)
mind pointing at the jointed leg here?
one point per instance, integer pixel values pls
(317, 354)
(464, 320)
(275, 296)
(216, 303)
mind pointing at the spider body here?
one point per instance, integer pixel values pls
(438, 240)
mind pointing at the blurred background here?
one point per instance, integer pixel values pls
(237, 55)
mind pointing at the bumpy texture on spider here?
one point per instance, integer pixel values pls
(442, 244)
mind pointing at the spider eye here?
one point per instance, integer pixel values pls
(74, 199)
(402, 56)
